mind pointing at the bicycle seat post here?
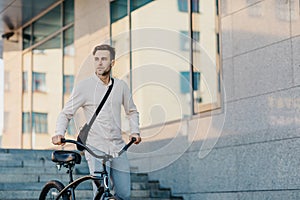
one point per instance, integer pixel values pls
(70, 172)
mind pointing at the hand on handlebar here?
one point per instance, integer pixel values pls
(56, 140)
(137, 137)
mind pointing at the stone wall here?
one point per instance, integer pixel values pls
(254, 154)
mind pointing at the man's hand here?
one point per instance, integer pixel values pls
(137, 136)
(57, 139)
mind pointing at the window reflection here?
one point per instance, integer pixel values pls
(25, 82)
(47, 24)
(165, 50)
(183, 6)
(68, 84)
(68, 62)
(205, 55)
(27, 37)
(47, 77)
(68, 11)
(38, 82)
(40, 122)
(157, 49)
(48, 72)
(25, 122)
(118, 10)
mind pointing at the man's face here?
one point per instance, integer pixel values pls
(102, 62)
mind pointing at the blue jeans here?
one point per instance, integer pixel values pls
(118, 170)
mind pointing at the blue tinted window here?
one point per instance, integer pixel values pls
(47, 24)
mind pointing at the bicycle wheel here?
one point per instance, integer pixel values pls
(51, 190)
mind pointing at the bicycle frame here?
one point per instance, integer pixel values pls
(101, 181)
(72, 186)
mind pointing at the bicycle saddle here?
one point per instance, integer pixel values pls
(66, 156)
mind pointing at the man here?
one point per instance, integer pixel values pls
(105, 133)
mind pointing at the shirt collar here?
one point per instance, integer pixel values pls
(100, 81)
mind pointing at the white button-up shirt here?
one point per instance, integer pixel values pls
(105, 133)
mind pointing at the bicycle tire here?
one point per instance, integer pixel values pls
(51, 189)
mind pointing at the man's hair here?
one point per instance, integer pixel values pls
(106, 47)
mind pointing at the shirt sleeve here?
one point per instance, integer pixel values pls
(130, 110)
(73, 104)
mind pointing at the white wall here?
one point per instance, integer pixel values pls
(1, 95)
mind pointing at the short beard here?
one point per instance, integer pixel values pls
(105, 73)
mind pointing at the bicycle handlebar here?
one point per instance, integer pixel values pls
(106, 156)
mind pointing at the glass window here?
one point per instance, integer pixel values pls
(68, 84)
(69, 61)
(183, 5)
(31, 8)
(185, 41)
(160, 52)
(25, 81)
(205, 55)
(27, 37)
(39, 122)
(159, 56)
(47, 24)
(47, 63)
(118, 10)
(69, 49)
(38, 82)
(25, 122)
(68, 11)
(135, 4)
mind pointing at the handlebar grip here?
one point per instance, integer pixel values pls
(63, 140)
(127, 146)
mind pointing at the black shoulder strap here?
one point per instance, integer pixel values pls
(101, 103)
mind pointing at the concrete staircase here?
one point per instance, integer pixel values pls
(23, 173)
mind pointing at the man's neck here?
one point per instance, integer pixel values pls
(105, 79)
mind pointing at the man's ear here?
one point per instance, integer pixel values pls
(112, 63)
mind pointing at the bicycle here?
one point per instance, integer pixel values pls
(54, 189)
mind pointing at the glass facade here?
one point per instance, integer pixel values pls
(47, 24)
(48, 72)
(169, 58)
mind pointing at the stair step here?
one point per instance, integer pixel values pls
(139, 177)
(23, 174)
(38, 186)
(31, 178)
(139, 185)
(33, 195)
(140, 193)
(42, 170)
